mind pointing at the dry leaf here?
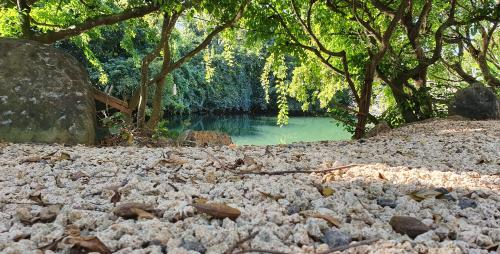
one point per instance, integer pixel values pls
(85, 244)
(218, 211)
(271, 196)
(72, 230)
(116, 196)
(37, 197)
(141, 214)
(332, 220)
(200, 201)
(33, 159)
(51, 246)
(62, 157)
(20, 237)
(77, 175)
(382, 176)
(211, 178)
(49, 155)
(420, 195)
(327, 191)
(134, 210)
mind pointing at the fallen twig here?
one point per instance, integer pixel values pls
(298, 171)
(240, 242)
(345, 247)
(261, 251)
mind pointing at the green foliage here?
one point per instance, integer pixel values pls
(118, 126)
(161, 131)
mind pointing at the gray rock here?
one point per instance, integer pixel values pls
(464, 203)
(408, 225)
(292, 209)
(383, 202)
(45, 95)
(476, 102)
(193, 245)
(335, 238)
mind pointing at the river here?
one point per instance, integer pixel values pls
(262, 130)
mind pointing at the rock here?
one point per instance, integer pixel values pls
(476, 102)
(379, 128)
(484, 240)
(45, 95)
(464, 203)
(408, 225)
(292, 209)
(383, 202)
(204, 138)
(335, 238)
(193, 245)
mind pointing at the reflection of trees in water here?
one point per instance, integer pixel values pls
(237, 125)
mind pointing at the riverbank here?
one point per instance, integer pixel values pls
(292, 213)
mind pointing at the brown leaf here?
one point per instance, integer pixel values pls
(420, 195)
(134, 210)
(37, 197)
(408, 225)
(200, 201)
(85, 244)
(51, 246)
(271, 196)
(49, 155)
(33, 159)
(141, 214)
(77, 175)
(116, 196)
(72, 230)
(210, 177)
(332, 220)
(218, 211)
(20, 237)
(382, 176)
(63, 156)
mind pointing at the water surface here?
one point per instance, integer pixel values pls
(262, 130)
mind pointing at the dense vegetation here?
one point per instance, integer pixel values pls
(359, 61)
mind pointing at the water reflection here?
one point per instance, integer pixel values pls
(262, 130)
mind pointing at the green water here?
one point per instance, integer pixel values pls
(262, 130)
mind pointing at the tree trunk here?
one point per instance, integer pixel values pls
(23, 9)
(141, 107)
(157, 113)
(365, 98)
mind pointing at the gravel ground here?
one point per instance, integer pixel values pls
(59, 198)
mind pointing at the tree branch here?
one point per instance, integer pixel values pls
(56, 35)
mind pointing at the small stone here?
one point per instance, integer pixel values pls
(484, 240)
(383, 202)
(335, 238)
(293, 209)
(193, 245)
(495, 235)
(464, 203)
(442, 233)
(428, 222)
(408, 225)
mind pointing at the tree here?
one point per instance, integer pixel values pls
(51, 21)
(228, 15)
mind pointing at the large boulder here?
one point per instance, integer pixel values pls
(476, 102)
(45, 95)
